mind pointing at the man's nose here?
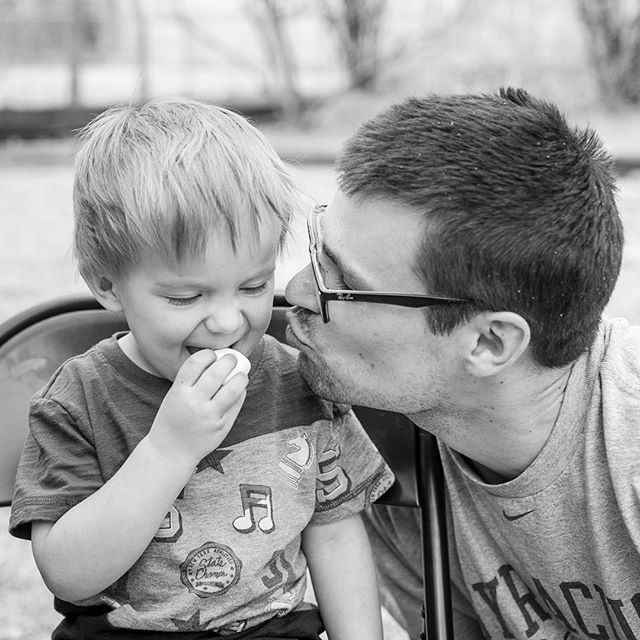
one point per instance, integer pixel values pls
(301, 290)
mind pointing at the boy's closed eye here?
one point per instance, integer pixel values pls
(255, 289)
(183, 302)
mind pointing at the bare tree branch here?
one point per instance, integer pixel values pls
(612, 28)
(210, 40)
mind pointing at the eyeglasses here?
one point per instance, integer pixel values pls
(324, 294)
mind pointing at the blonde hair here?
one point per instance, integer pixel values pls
(162, 176)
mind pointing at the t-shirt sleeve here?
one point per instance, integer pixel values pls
(58, 467)
(350, 472)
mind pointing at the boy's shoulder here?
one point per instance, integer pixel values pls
(286, 358)
(279, 352)
(75, 379)
(99, 387)
(276, 365)
(275, 379)
(77, 367)
(279, 361)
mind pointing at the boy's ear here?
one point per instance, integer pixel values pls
(104, 292)
(499, 340)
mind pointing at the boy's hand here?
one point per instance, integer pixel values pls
(199, 410)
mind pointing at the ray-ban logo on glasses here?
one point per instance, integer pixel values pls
(345, 296)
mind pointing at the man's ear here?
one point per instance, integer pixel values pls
(102, 287)
(500, 339)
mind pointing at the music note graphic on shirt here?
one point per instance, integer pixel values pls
(255, 496)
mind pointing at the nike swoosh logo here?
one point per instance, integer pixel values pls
(517, 516)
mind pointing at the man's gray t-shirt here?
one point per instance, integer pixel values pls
(554, 553)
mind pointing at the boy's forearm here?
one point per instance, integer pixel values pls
(98, 540)
(344, 579)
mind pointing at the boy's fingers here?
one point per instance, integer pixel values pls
(194, 366)
(234, 403)
(234, 409)
(241, 361)
(226, 395)
(214, 376)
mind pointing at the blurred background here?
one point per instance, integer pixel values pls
(307, 72)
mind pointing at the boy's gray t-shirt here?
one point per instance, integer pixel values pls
(228, 554)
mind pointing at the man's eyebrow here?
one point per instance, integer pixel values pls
(355, 281)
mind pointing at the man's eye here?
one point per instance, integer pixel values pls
(183, 302)
(254, 291)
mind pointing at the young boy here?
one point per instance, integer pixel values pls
(161, 501)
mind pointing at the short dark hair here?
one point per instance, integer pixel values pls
(519, 210)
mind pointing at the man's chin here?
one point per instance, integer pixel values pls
(322, 381)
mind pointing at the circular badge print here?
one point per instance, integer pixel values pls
(211, 569)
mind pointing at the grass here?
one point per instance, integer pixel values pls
(35, 231)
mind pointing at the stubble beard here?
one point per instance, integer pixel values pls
(323, 382)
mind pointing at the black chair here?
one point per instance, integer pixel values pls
(35, 342)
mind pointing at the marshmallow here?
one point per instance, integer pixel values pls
(242, 362)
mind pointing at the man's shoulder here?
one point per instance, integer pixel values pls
(614, 360)
(621, 342)
(620, 326)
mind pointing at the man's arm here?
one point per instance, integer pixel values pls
(344, 579)
(98, 540)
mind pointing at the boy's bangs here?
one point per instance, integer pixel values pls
(165, 177)
(180, 227)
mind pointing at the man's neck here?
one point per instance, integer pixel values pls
(504, 425)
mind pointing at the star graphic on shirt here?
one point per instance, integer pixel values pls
(213, 460)
(192, 624)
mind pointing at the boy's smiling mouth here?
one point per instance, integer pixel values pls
(193, 349)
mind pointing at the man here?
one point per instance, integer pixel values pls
(487, 228)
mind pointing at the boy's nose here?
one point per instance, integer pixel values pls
(301, 290)
(224, 318)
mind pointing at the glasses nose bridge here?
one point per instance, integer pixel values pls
(318, 282)
(318, 285)
(317, 291)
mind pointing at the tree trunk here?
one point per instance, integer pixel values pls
(356, 24)
(75, 49)
(278, 47)
(613, 35)
(142, 50)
